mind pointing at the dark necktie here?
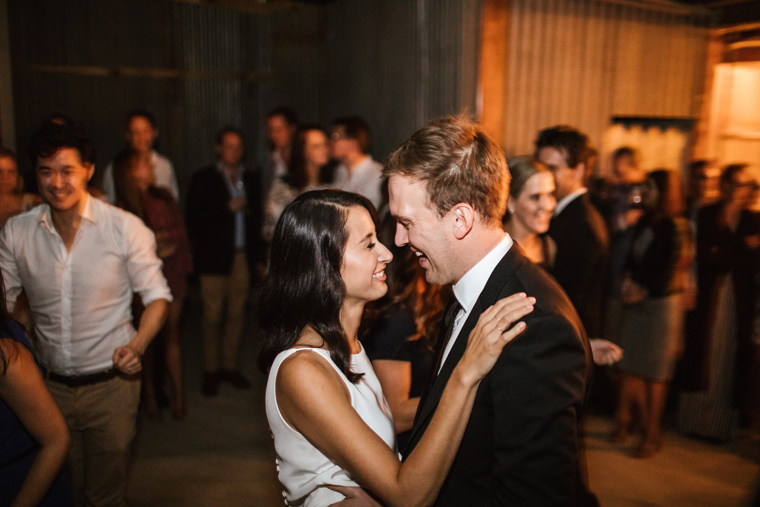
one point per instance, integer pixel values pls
(448, 320)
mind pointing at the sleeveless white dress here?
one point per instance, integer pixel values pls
(302, 469)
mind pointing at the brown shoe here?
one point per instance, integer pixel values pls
(235, 378)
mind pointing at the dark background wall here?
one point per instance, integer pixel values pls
(196, 68)
(200, 67)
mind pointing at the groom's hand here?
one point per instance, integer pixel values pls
(355, 497)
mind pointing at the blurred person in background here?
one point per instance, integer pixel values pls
(140, 134)
(402, 339)
(223, 215)
(34, 438)
(311, 153)
(138, 193)
(530, 208)
(720, 356)
(651, 331)
(621, 203)
(577, 228)
(281, 126)
(351, 145)
(13, 199)
(703, 190)
(704, 186)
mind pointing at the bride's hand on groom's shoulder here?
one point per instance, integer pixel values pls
(492, 332)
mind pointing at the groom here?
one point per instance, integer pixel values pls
(448, 187)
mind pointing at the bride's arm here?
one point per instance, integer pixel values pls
(313, 399)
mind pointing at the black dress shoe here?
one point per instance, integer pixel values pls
(235, 378)
(210, 386)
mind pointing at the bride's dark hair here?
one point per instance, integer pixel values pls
(304, 285)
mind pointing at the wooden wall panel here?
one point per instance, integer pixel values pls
(581, 62)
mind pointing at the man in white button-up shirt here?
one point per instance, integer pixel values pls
(80, 261)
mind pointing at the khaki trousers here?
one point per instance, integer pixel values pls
(216, 290)
(102, 420)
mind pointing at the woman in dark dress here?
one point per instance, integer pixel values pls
(718, 358)
(34, 438)
(136, 192)
(651, 331)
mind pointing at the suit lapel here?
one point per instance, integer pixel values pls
(507, 266)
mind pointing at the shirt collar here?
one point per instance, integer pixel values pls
(363, 165)
(562, 204)
(220, 168)
(46, 213)
(469, 287)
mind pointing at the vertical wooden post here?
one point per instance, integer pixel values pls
(494, 38)
(703, 134)
(7, 122)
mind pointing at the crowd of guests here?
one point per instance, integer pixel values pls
(665, 286)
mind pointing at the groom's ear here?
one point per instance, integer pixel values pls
(463, 219)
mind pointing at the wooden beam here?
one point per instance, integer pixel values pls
(103, 71)
(251, 6)
(494, 38)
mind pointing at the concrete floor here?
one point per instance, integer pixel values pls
(222, 454)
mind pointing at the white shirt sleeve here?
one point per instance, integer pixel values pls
(143, 265)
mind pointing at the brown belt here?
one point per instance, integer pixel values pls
(82, 380)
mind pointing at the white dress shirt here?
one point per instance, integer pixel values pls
(468, 289)
(563, 203)
(365, 179)
(162, 170)
(81, 299)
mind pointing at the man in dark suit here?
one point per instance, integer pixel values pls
(448, 185)
(224, 226)
(580, 265)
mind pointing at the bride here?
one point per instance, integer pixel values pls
(331, 425)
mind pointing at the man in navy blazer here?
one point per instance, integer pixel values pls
(448, 186)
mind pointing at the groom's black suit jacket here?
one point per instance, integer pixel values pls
(521, 442)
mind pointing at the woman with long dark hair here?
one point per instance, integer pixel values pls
(330, 422)
(34, 438)
(309, 156)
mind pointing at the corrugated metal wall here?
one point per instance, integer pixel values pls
(197, 68)
(581, 62)
(398, 64)
(220, 44)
